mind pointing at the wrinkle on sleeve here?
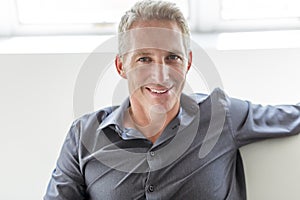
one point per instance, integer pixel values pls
(67, 182)
(251, 122)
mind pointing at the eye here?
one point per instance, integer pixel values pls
(144, 59)
(174, 57)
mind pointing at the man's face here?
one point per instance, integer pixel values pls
(155, 62)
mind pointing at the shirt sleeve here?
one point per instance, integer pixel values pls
(67, 182)
(251, 122)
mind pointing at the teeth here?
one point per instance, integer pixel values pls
(158, 91)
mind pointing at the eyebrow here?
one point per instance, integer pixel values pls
(177, 53)
(143, 53)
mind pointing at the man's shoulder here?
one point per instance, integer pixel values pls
(95, 118)
(198, 97)
(219, 98)
(216, 94)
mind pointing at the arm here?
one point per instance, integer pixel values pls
(67, 181)
(251, 123)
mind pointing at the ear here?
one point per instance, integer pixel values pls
(190, 60)
(119, 67)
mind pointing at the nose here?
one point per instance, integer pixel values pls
(161, 73)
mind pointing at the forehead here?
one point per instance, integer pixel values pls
(154, 34)
(167, 24)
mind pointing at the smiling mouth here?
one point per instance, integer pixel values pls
(158, 91)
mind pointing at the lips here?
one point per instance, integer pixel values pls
(158, 90)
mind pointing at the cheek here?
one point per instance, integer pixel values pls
(138, 76)
(136, 81)
(178, 76)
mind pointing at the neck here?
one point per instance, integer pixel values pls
(149, 121)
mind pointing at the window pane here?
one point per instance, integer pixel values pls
(259, 9)
(77, 11)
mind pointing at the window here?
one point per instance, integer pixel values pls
(72, 16)
(48, 17)
(258, 9)
(244, 15)
(76, 11)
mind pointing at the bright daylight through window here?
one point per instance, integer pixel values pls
(259, 9)
(76, 11)
(65, 17)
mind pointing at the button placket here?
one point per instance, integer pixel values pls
(151, 159)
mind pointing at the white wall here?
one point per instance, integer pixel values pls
(37, 110)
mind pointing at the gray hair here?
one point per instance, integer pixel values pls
(153, 10)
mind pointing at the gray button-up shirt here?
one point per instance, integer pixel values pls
(196, 157)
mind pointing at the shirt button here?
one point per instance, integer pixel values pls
(151, 188)
(152, 153)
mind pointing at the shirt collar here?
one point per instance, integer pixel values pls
(116, 116)
(188, 109)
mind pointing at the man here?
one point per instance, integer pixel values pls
(160, 143)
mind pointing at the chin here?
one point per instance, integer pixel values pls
(164, 104)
